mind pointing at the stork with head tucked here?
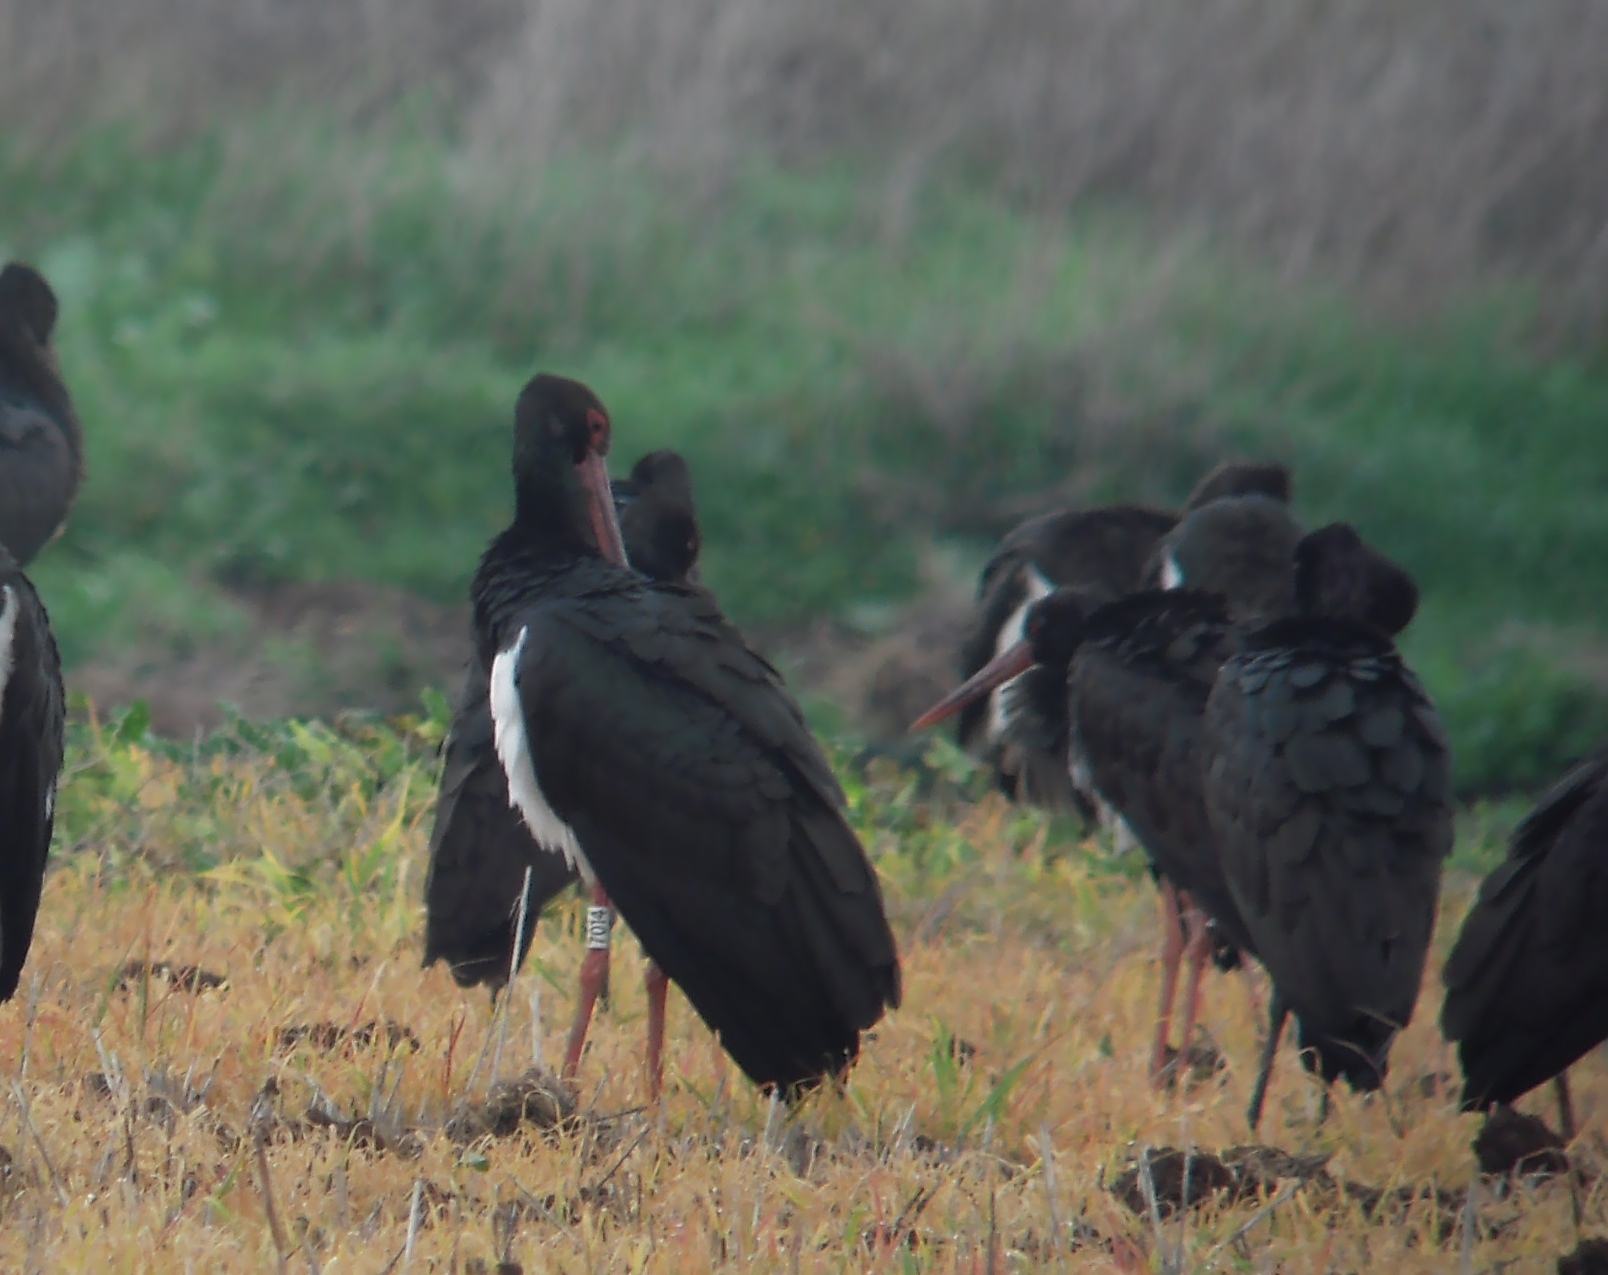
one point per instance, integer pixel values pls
(1329, 792)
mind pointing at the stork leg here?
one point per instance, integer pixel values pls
(1196, 950)
(1566, 1117)
(1277, 1012)
(1172, 948)
(658, 985)
(594, 975)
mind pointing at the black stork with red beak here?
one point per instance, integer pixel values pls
(480, 848)
(643, 740)
(1527, 982)
(1021, 727)
(41, 442)
(1329, 795)
(41, 463)
(1136, 674)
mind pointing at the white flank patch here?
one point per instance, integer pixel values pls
(1010, 633)
(1172, 575)
(8, 633)
(552, 834)
(1105, 814)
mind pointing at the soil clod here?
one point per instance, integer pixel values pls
(534, 1100)
(329, 1037)
(1511, 1142)
(187, 978)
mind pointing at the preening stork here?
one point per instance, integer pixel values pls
(644, 741)
(480, 848)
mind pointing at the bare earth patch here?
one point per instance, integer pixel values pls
(316, 649)
(312, 650)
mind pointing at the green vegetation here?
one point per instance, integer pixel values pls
(295, 349)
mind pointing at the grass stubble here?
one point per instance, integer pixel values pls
(160, 1120)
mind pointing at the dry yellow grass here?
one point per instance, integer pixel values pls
(138, 1110)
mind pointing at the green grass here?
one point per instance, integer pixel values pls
(295, 350)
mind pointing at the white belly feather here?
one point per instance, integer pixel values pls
(1010, 633)
(9, 606)
(551, 833)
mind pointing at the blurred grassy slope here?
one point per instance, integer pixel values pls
(295, 348)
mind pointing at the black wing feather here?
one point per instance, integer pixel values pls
(1527, 982)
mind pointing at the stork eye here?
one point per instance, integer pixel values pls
(597, 430)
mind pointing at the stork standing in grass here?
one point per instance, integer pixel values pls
(480, 848)
(645, 742)
(1527, 982)
(41, 464)
(1329, 791)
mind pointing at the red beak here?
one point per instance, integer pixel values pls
(1011, 662)
(605, 527)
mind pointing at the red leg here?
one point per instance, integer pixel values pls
(1196, 951)
(1172, 948)
(658, 985)
(594, 976)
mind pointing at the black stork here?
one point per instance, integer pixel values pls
(1136, 675)
(32, 709)
(41, 463)
(643, 740)
(1328, 792)
(1021, 727)
(1527, 982)
(480, 848)
(41, 442)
